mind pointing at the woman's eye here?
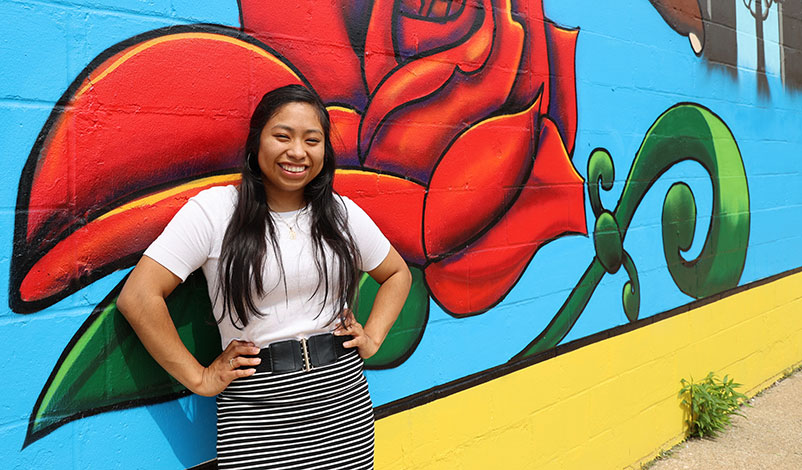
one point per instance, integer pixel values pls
(282, 137)
(312, 141)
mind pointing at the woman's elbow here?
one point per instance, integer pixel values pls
(132, 297)
(146, 284)
(406, 278)
(126, 301)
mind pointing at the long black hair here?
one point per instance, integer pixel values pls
(245, 242)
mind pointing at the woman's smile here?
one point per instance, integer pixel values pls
(292, 169)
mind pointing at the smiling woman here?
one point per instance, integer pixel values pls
(291, 153)
(291, 367)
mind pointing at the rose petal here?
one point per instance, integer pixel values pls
(423, 76)
(319, 38)
(477, 180)
(110, 242)
(344, 132)
(562, 100)
(395, 204)
(534, 70)
(379, 57)
(154, 112)
(419, 33)
(170, 108)
(398, 30)
(422, 106)
(551, 204)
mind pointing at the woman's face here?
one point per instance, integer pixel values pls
(291, 151)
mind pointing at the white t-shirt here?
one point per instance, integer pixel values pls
(193, 240)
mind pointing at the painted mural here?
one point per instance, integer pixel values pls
(543, 172)
(449, 198)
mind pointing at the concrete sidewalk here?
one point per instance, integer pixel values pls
(768, 437)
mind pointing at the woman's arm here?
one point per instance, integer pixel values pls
(142, 303)
(395, 280)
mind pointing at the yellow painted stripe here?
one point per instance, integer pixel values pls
(342, 108)
(363, 172)
(609, 405)
(154, 198)
(91, 81)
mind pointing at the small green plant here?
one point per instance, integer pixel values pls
(710, 404)
(664, 454)
(791, 371)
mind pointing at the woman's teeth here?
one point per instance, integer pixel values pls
(292, 168)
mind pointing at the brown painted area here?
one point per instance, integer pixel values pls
(684, 16)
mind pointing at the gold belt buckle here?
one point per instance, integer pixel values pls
(305, 349)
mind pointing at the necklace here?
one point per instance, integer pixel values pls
(294, 223)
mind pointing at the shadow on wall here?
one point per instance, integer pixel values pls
(187, 425)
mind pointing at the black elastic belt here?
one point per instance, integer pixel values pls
(293, 355)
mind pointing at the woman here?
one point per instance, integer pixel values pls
(281, 254)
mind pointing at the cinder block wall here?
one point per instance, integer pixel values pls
(595, 201)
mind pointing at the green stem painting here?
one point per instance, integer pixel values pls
(685, 132)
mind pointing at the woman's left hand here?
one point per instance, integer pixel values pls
(366, 345)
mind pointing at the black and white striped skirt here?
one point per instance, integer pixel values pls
(300, 420)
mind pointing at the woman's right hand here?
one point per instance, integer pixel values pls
(226, 368)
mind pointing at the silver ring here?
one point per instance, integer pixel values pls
(231, 363)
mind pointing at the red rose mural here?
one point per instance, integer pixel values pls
(454, 123)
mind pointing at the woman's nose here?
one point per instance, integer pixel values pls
(296, 149)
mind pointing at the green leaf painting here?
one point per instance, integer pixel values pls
(407, 330)
(105, 366)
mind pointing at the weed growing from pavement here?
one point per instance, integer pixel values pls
(669, 453)
(664, 454)
(785, 374)
(710, 403)
(791, 371)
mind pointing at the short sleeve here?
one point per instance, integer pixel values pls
(372, 244)
(186, 242)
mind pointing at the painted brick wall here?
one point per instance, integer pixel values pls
(473, 132)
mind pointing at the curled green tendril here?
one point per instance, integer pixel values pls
(601, 172)
(685, 132)
(690, 132)
(631, 293)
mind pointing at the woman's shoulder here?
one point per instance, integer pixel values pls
(346, 202)
(217, 196)
(217, 203)
(355, 215)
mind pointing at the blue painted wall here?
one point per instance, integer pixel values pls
(631, 66)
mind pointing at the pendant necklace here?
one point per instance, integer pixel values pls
(294, 223)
